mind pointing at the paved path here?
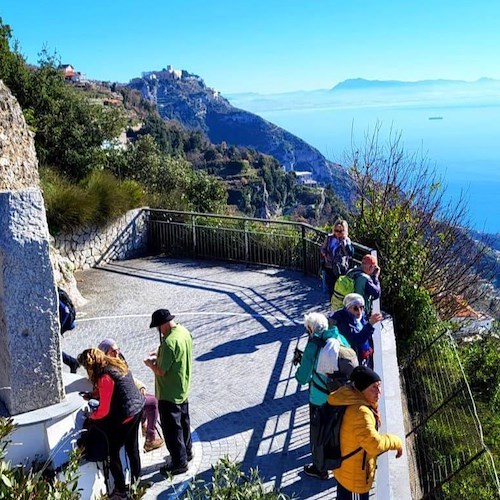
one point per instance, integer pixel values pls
(246, 322)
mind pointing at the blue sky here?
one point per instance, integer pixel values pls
(265, 45)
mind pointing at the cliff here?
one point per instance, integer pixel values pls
(186, 98)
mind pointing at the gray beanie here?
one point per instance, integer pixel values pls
(106, 345)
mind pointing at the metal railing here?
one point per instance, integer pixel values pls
(445, 440)
(293, 245)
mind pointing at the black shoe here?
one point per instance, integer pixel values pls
(173, 469)
(312, 471)
(190, 456)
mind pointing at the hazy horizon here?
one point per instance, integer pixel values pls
(265, 46)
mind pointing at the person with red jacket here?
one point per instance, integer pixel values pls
(119, 413)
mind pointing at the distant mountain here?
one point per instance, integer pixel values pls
(185, 97)
(362, 84)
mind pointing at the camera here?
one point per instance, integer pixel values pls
(297, 356)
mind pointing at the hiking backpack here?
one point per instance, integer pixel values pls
(344, 285)
(328, 420)
(67, 311)
(347, 361)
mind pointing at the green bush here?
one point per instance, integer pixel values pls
(96, 200)
(68, 206)
(22, 483)
(230, 483)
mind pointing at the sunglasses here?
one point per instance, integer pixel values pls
(358, 308)
(338, 230)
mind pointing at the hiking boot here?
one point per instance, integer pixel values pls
(173, 469)
(312, 471)
(153, 445)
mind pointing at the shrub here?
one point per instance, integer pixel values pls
(68, 206)
(22, 483)
(96, 200)
(229, 482)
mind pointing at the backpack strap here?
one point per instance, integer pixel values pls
(324, 389)
(319, 343)
(352, 453)
(357, 450)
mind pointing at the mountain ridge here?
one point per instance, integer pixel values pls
(185, 98)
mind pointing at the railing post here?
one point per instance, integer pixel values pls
(193, 224)
(247, 249)
(304, 250)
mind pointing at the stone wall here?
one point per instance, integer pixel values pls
(122, 239)
(30, 355)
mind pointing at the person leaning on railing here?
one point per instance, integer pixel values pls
(355, 327)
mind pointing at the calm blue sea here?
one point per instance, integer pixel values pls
(464, 145)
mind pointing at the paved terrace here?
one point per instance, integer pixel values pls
(246, 323)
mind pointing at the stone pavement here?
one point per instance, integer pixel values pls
(246, 323)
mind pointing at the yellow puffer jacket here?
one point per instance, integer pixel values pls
(358, 429)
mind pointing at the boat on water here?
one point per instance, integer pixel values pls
(435, 117)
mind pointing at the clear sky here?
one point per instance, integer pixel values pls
(265, 46)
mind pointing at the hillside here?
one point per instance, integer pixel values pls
(186, 98)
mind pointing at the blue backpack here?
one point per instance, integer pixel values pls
(67, 311)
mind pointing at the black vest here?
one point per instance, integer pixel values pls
(126, 401)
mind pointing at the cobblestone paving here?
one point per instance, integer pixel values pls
(246, 323)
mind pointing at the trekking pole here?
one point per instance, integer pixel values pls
(297, 353)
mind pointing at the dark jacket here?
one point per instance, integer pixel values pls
(126, 400)
(359, 341)
(339, 260)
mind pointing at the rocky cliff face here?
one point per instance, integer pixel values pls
(188, 100)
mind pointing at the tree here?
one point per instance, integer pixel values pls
(13, 69)
(422, 240)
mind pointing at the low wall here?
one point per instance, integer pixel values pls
(122, 239)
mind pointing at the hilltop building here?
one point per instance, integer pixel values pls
(305, 178)
(71, 75)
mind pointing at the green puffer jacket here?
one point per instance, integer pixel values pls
(306, 373)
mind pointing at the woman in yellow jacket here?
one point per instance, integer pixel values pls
(359, 429)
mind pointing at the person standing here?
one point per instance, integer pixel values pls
(172, 367)
(316, 325)
(336, 254)
(359, 434)
(119, 413)
(366, 281)
(356, 328)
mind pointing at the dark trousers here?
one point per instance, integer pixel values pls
(330, 279)
(316, 451)
(124, 435)
(343, 494)
(176, 427)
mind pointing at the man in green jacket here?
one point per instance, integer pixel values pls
(172, 366)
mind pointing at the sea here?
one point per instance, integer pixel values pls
(458, 134)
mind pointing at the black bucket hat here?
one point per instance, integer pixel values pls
(160, 317)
